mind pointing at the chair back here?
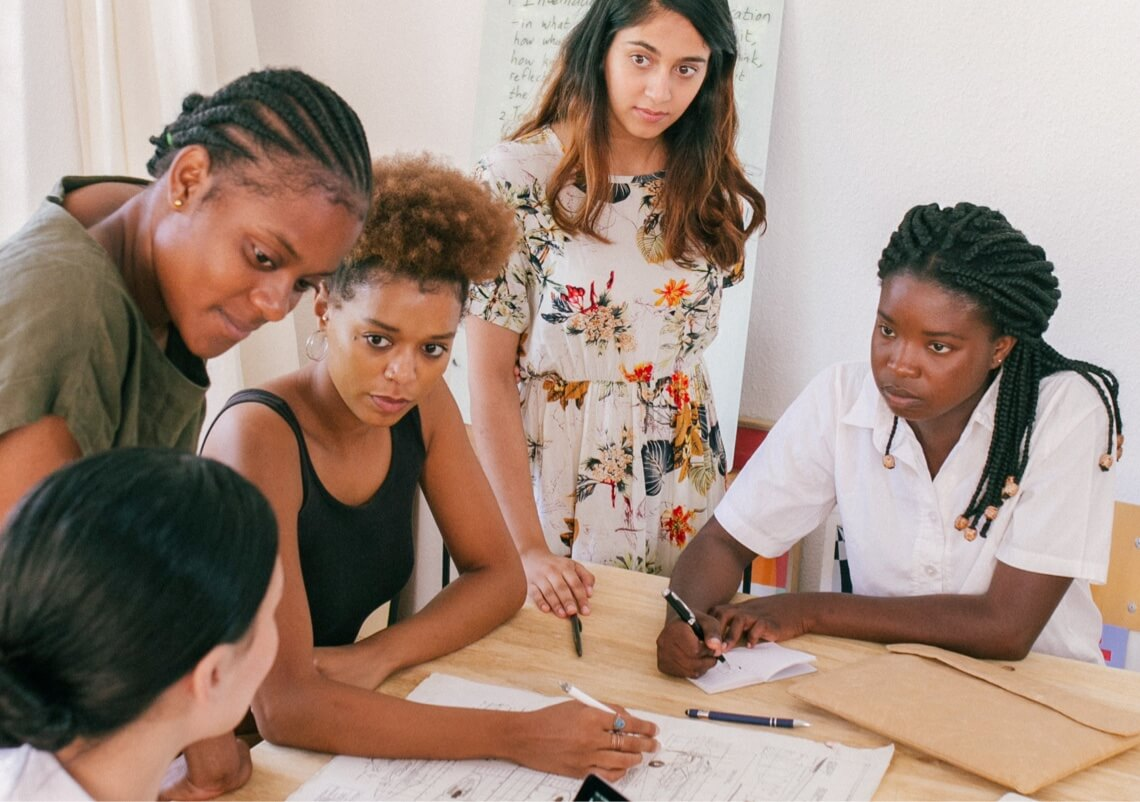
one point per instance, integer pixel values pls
(1119, 598)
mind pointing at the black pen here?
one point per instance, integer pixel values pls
(576, 631)
(682, 609)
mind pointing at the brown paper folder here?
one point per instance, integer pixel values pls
(1016, 731)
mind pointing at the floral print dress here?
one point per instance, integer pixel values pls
(625, 452)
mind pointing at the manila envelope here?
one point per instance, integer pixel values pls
(1014, 730)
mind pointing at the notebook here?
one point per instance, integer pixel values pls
(764, 662)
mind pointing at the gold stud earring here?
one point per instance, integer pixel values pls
(178, 203)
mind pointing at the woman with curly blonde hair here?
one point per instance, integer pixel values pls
(339, 448)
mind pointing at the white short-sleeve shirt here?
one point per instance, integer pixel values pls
(898, 525)
(31, 774)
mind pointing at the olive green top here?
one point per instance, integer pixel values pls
(73, 342)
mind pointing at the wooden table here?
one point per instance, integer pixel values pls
(534, 649)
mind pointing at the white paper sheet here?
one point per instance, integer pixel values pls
(697, 760)
(764, 662)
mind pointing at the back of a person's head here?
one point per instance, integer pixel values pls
(118, 573)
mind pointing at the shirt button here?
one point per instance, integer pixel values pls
(931, 570)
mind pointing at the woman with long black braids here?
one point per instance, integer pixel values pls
(970, 462)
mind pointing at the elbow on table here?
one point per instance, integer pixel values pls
(280, 720)
(1006, 644)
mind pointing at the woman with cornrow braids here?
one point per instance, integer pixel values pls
(117, 290)
(971, 465)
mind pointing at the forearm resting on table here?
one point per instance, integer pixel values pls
(1002, 623)
(326, 716)
(469, 607)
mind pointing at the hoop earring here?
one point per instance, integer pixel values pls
(316, 345)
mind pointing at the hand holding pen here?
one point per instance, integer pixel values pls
(685, 613)
(626, 733)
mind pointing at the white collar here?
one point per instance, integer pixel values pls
(870, 411)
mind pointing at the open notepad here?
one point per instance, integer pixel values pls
(764, 662)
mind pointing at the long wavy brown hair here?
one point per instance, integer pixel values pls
(702, 202)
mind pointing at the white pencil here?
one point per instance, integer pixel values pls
(585, 698)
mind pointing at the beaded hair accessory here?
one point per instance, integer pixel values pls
(963, 524)
(888, 459)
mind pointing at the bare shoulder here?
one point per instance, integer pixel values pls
(440, 419)
(254, 439)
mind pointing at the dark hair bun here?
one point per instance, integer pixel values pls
(26, 717)
(118, 573)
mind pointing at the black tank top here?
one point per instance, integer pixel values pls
(353, 559)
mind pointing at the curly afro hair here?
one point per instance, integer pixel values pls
(429, 223)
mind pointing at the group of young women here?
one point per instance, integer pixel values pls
(145, 590)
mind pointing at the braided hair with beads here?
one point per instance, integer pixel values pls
(296, 121)
(974, 251)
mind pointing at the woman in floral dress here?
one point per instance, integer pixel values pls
(632, 211)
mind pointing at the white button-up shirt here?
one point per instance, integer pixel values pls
(898, 525)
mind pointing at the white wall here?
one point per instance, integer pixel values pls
(1030, 106)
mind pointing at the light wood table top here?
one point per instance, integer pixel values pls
(534, 650)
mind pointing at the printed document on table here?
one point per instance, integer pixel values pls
(764, 662)
(697, 760)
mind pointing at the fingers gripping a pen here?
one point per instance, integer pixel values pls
(695, 621)
(680, 654)
(574, 738)
(714, 635)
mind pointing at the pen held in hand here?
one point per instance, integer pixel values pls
(576, 633)
(741, 718)
(585, 698)
(687, 615)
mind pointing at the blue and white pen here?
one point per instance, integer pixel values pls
(741, 718)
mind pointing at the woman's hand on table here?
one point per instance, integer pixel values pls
(575, 740)
(557, 584)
